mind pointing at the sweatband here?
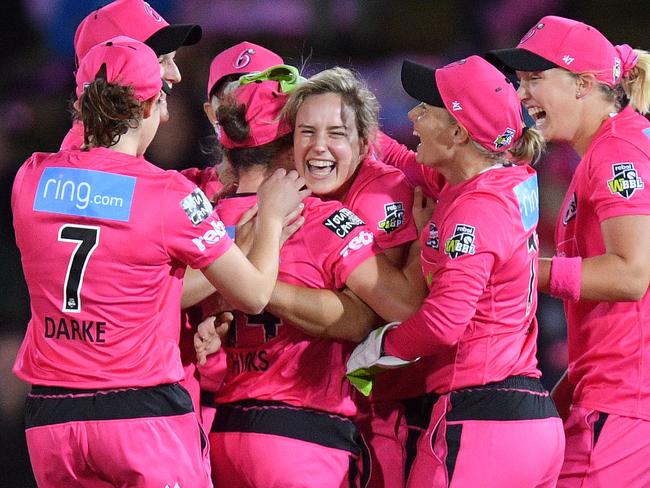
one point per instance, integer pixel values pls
(565, 277)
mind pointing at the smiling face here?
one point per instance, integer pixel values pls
(170, 73)
(435, 128)
(327, 147)
(551, 99)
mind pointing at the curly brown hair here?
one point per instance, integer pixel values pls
(108, 111)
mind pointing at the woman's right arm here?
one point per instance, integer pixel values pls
(247, 283)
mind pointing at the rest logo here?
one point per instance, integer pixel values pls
(197, 206)
(342, 222)
(363, 239)
(462, 242)
(212, 236)
(394, 217)
(625, 181)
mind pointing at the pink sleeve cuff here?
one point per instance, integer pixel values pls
(565, 278)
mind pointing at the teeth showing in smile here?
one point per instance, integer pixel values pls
(318, 167)
(538, 115)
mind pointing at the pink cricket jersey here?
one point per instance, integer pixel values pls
(105, 238)
(271, 360)
(402, 158)
(609, 342)
(383, 198)
(479, 258)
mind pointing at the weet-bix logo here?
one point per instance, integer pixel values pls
(455, 106)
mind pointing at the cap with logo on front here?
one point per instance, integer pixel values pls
(476, 94)
(124, 61)
(560, 42)
(241, 59)
(135, 19)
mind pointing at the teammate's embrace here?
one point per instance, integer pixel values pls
(105, 237)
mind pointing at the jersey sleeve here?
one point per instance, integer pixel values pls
(341, 241)
(474, 238)
(618, 175)
(192, 231)
(399, 156)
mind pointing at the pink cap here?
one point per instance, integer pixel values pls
(263, 102)
(136, 19)
(475, 93)
(128, 63)
(241, 59)
(565, 43)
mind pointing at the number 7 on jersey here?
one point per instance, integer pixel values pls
(87, 238)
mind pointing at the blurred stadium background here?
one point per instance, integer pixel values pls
(370, 36)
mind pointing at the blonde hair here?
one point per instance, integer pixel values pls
(354, 94)
(637, 83)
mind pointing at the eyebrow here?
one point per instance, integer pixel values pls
(329, 127)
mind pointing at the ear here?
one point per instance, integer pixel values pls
(585, 84)
(209, 112)
(149, 105)
(364, 148)
(460, 135)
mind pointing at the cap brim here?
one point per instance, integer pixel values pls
(171, 37)
(419, 81)
(517, 59)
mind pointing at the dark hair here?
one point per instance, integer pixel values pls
(108, 111)
(232, 120)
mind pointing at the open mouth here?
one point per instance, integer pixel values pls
(538, 115)
(320, 168)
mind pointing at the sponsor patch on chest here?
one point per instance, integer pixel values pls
(571, 210)
(342, 222)
(394, 217)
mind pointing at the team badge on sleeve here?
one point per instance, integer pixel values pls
(342, 222)
(462, 242)
(394, 217)
(197, 206)
(625, 181)
(433, 241)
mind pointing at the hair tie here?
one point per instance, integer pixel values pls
(628, 58)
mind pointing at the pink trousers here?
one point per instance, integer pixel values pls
(140, 437)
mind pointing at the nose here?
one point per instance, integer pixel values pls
(171, 72)
(320, 142)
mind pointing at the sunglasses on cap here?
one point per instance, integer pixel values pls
(287, 76)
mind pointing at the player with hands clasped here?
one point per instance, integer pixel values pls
(101, 348)
(582, 90)
(493, 423)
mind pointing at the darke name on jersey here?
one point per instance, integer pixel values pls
(75, 330)
(571, 210)
(462, 242)
(197, 206)
(394, 217)
(86, 193)
(342, 222)
(433, 241)
(625, 181)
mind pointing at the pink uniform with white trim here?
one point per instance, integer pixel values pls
(479, 257)
(285, 392)
(609, 356)
(105, 238)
